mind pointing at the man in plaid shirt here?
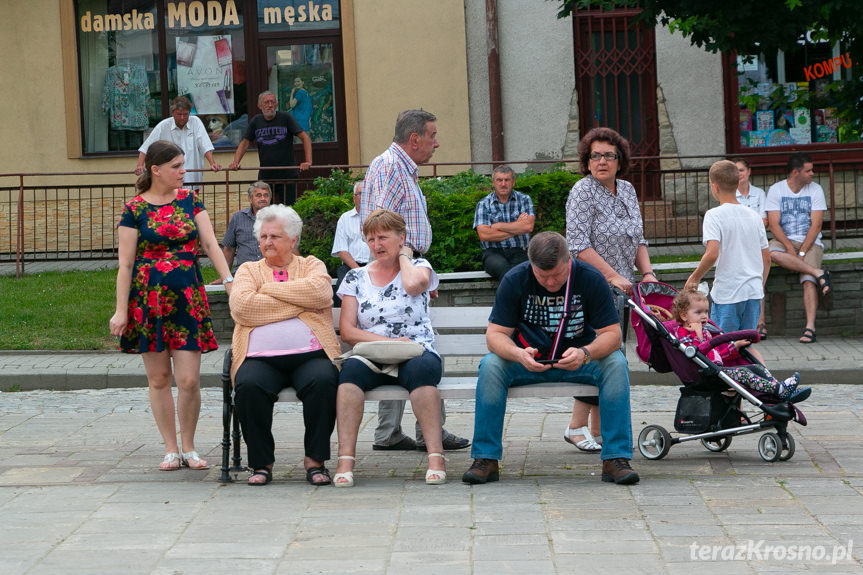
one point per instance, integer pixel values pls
(391, 180)
(503, 221)
(391, 184)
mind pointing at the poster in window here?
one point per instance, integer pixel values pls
(204, 74)
(302, 77)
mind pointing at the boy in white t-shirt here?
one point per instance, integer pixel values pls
(731, 233)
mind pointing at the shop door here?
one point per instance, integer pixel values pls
(308, 79)
(615, 75)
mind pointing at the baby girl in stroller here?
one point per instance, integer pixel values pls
(690, 312)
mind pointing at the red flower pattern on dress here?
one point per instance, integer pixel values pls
(163, 214)
(166, 266)
(169, 231)
(143, 276)
(156, 253)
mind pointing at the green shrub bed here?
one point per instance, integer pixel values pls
(451, 205)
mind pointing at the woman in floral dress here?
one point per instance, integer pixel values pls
(162, 311)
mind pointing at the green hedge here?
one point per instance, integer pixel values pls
(451, 205)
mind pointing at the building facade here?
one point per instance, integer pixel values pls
(93, 76)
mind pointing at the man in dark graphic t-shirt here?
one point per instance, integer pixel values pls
(554, 309)
(273, 132)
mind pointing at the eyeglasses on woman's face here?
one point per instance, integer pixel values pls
(609, 156)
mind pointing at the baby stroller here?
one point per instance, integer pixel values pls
(709, 408)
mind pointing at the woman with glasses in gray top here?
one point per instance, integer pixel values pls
(604, 229)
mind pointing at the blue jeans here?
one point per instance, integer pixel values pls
(736, 316)
(496, 376)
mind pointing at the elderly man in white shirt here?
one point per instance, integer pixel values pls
(189, 133)
(349, 244)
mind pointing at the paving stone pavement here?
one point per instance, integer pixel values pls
(834, 360)
(80, 493)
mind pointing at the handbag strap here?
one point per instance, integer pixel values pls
(560, 328)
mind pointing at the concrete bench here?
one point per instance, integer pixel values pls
(459, 332)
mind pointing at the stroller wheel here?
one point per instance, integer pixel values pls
(788, 449)
(654, 442)
(717, 444)
(770, 447)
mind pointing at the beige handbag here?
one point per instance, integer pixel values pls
(388, 353)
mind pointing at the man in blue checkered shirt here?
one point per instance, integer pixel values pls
(503, 221)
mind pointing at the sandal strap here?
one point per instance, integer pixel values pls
(437, 455)
(351, 457)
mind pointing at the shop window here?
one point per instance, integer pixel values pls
(119, 64)
(789, 97)
(301, 75)
(206, 62)
(127, 77)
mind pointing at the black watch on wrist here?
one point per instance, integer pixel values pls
(587, 356)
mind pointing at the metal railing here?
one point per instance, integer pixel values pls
(44, 217)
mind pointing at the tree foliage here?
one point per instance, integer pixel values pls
(749, 27)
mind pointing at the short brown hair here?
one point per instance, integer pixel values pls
(546, 250)
(181, 103)
(683, 301)
(724, 174)
(608, 136)
(384, 221)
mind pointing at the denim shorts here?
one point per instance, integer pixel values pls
(736, 316)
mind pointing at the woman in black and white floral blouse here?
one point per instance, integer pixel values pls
(604, 229)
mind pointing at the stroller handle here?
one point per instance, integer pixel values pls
(750, 334)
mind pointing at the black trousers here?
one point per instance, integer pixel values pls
(256, 388)
(497, 261)
(283, 193)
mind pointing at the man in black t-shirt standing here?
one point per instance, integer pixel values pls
(273, 132)
(560, 311)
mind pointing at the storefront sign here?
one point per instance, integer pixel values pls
(109, 22)
(211, 14)
(827, 66)
(313, 12)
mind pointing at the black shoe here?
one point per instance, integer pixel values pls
(618, 471)
(482, 471)
(406, 444)
(800, 394)
(450, 443)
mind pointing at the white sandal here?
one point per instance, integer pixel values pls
(587, 444)
(348, 476)
(168, 463)
(194, 458)
(430, 473)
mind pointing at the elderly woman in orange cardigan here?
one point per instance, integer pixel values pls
(283, 336)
